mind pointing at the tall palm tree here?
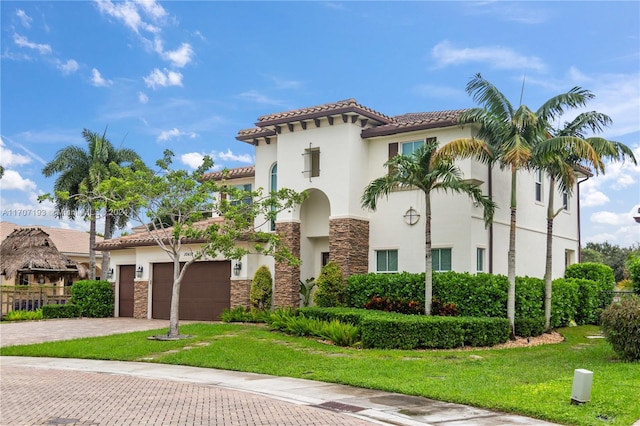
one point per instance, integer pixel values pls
(427, 169)
(511, 134)
(80, 171)
(560, 165)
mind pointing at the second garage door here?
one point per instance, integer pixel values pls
(204, 294)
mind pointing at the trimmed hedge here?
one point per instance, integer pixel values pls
(529, 327)
(60, 311)
(94, 298)
(564, 302)
(601, 274)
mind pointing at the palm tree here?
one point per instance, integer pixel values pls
(561, 166)
(427, 169)
(80, 171)
(511, 134)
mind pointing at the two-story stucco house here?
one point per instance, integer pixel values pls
(333, 151)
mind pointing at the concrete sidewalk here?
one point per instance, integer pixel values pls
(47, 391)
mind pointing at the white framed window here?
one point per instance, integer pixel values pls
(386, 260)
(480, 259)
(565, 200)
(312, 162)
(441, 259)
(245, 200)
(409, 148)
(538, 186)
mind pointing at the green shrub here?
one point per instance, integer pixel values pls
(529, 297)
(261, 288)
(634, 272)
(404, 286)
(278, 319)
(620, 324)
(68, 310)
(564, 302)
(341, 334)
(397, 331)
(442, 309)
(242, 314)
(601, 274)
(94, 298)
(306, 289)
(485, 331)
(302, 326)
(589, 306)
(23, 315)
(331, 289)
(345, 315)
(410, 307)
(529, 327)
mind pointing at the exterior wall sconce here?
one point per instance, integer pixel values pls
(237, 268)
(139, 271)
(110, 274)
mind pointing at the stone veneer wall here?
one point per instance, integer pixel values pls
(240, 293)
(287, 277)
(349, 245)
(140, 299)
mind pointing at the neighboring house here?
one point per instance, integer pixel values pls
(69, 243)
(333, 151)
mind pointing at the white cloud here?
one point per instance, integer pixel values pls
(127, 13)
(158, 78)
(143, 98)
(174, 133)
(22, 41)
(97, 79)
(609, 218)
(12, 180)
(8, 158)
(68, 67)
(192, 159)
(445, 54)
(24, 18)
(255, 96)
(181, 56)
(230, 156)
(153, 9)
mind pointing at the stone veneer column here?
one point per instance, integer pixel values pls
(287, 277)
(349, 245)
(240, 293)
(140, 299)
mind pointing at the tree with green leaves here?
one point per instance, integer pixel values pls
(80, 171)
(611, 255)
(511, 135)
(172, 204)
(428, 169)
(559, 156)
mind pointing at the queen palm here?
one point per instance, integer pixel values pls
(560, 163)
(80, 171)
(427, 169)
(511, 134)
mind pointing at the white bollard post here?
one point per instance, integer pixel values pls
(581, 391)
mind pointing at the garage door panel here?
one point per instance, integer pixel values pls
(204, 293)
(125, 291)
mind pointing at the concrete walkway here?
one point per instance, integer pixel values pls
(49, 391)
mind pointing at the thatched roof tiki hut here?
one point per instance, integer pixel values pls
(30, 254)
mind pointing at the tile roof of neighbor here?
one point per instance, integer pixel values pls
(236, 173)
(67, 241)
(145, 239)
(389, 125)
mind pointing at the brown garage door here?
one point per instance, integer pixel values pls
(125, 296)
(204, 293)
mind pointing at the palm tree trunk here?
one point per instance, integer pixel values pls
(548, 268)
(92, 244)
(174, 331)
(511, 265)
(428, 258)
(108, 232)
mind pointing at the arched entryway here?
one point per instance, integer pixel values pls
(314, 233)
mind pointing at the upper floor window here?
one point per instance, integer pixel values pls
(565, 200)
(273, 183)
(409, 148)
(312, 162)
(441, 259)
(245, 199)
(387, 260)
(480, 259)
(538, 185)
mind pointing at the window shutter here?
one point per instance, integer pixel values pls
(393, 151)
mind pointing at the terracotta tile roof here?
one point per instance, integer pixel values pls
(68, 241)
(236, 173)
(256, 132)
(146, 239)
(340, 107)
(415, 121)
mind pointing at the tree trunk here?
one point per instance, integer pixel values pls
(511, 265)
(92, 244)
(108, 232)
(428, 258)
(548, 268)
(174, 315)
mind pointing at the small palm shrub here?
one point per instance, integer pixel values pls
(23, 315)
(331, 289)
(620, 324)
(242, 314)
(341, 334)
(261, 288)
(306, 288)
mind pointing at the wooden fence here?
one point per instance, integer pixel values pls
(30, 298)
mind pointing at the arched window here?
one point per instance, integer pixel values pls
(273, 187)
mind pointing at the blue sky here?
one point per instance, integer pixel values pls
(187, 75)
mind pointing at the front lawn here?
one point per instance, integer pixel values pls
(535, 382)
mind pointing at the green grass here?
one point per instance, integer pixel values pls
(535, 382)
